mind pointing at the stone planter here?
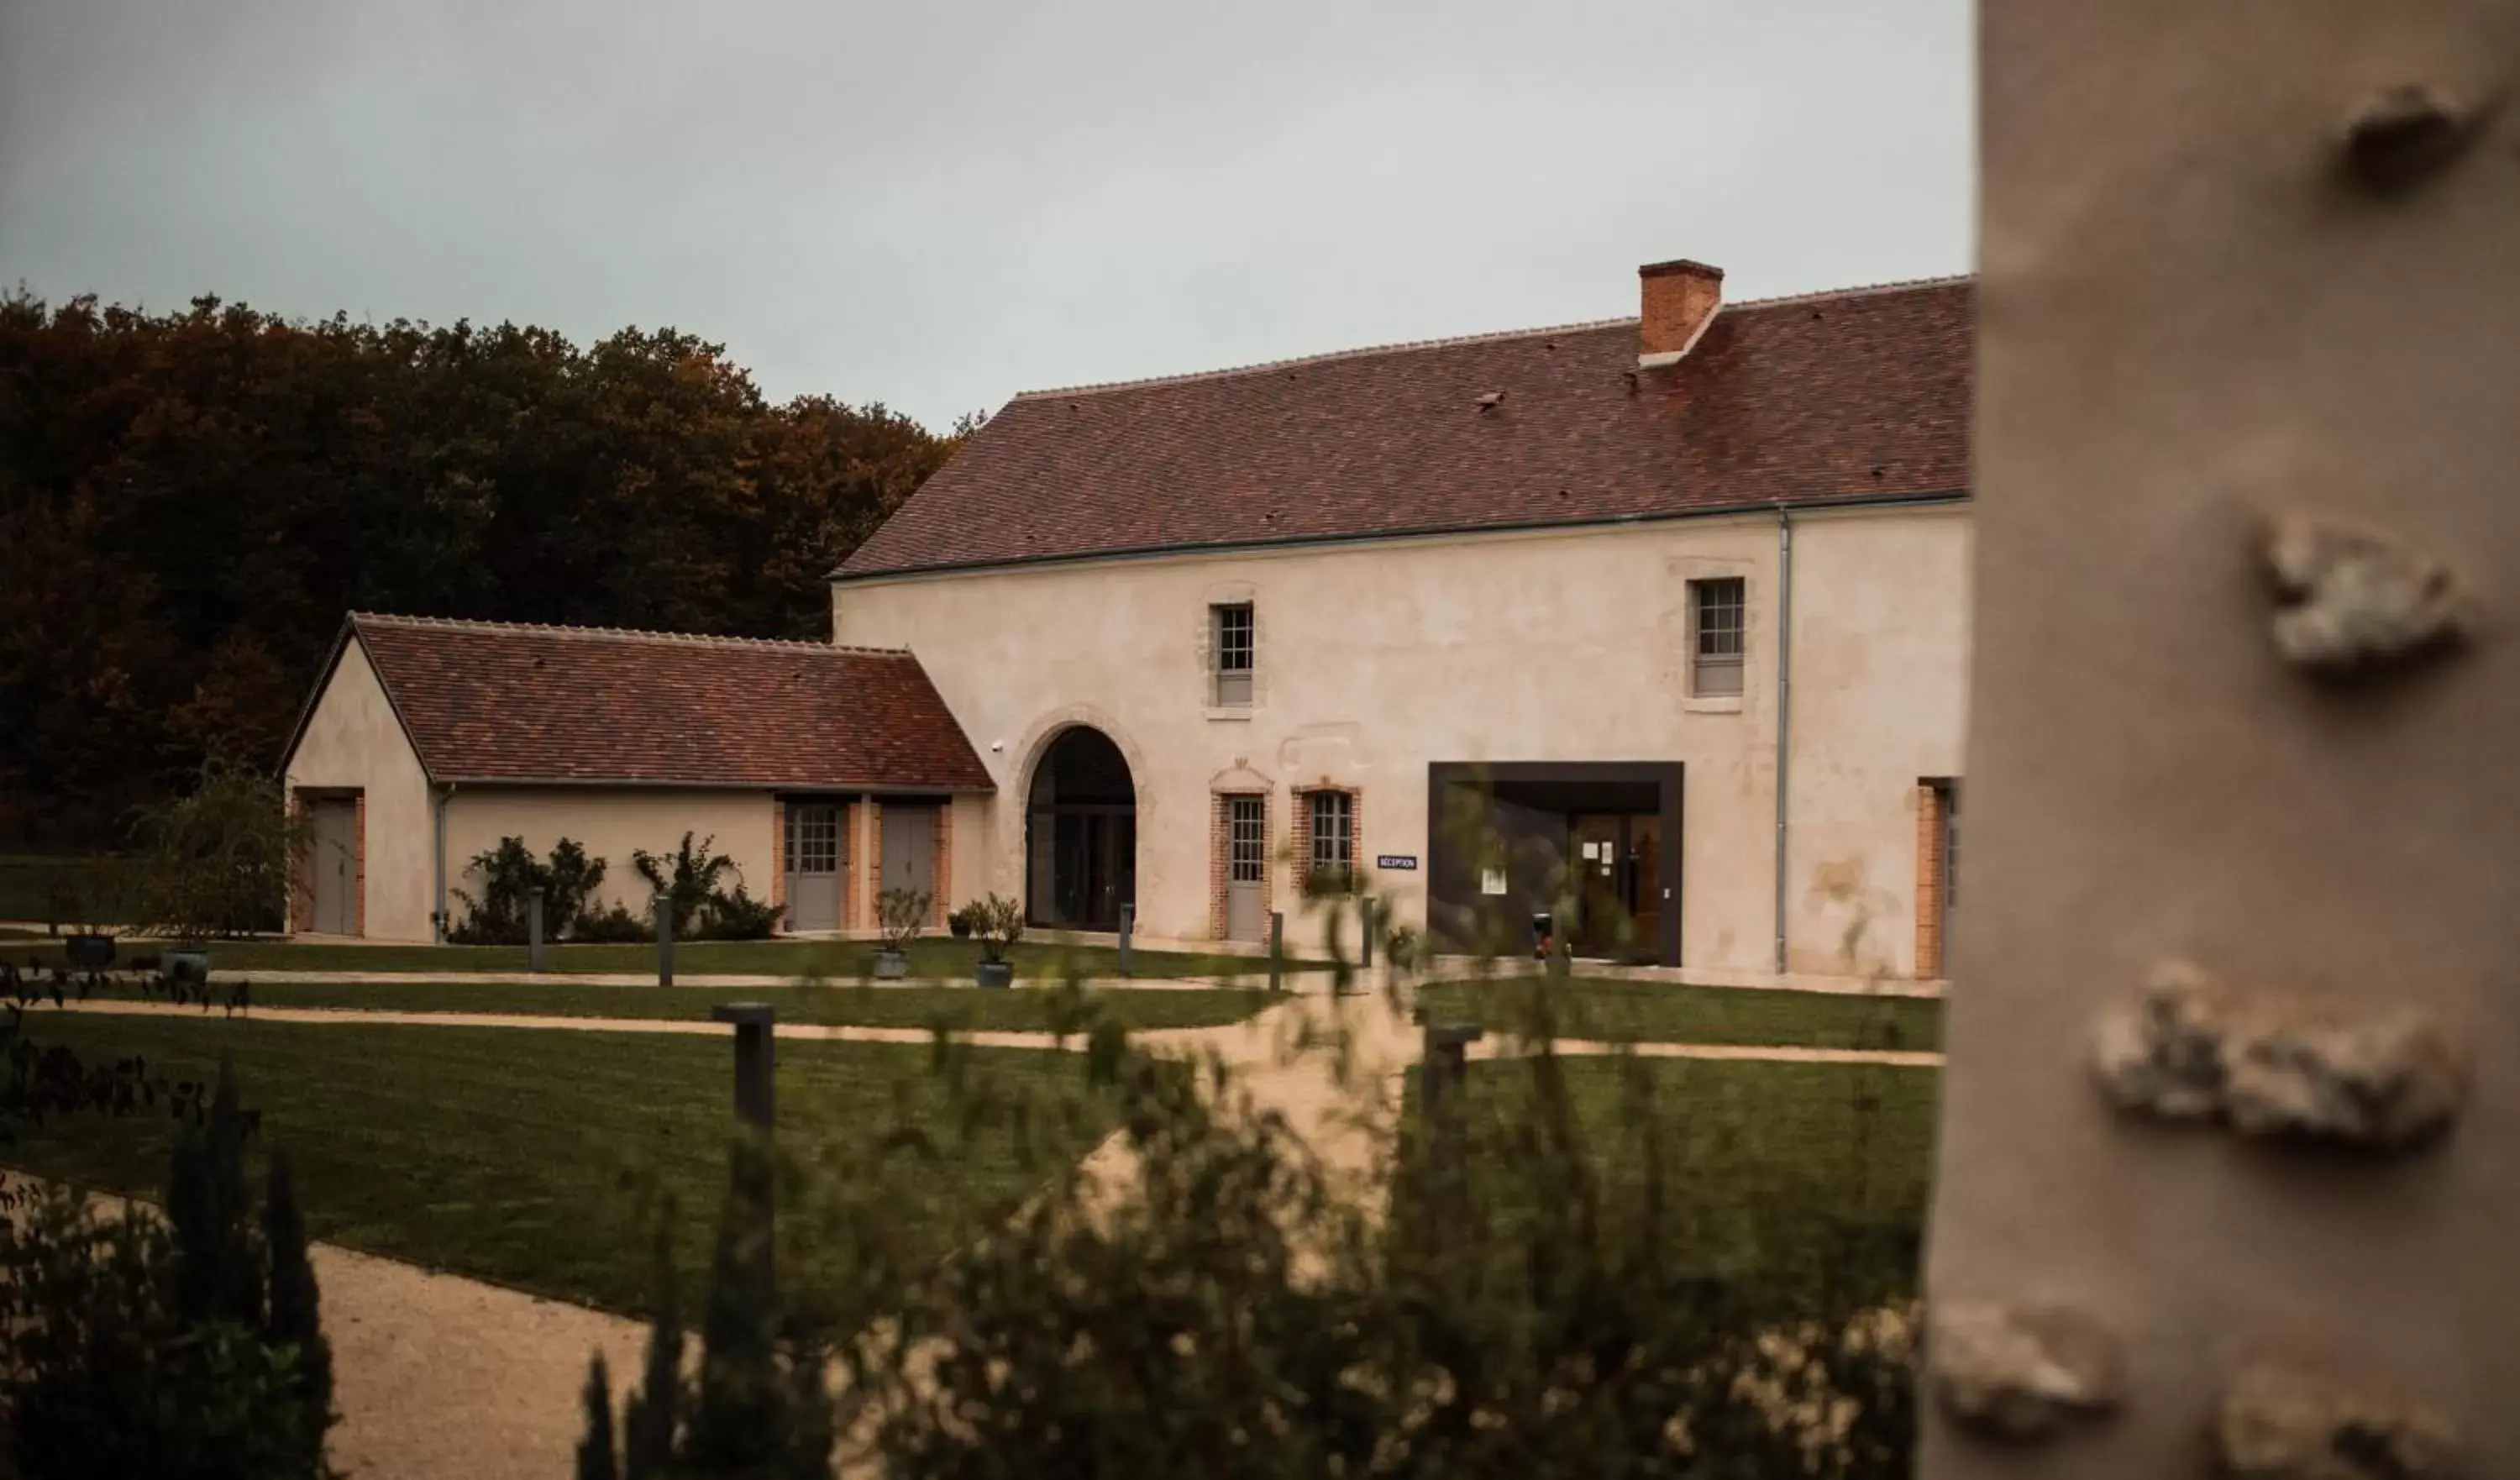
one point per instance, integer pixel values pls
(88, 952)
(186, 963)
(996, 973)
(891, 966)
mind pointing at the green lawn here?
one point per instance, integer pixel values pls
(1638, 1012)
(1761, 1158)
(943, 958)
(1027, 1009)
(513, 1157)
(27, 882)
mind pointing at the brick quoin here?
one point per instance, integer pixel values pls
(359, 864)
(301, 889)
(779, 858)
(1929, 881)
(943, 870)
(856, 895)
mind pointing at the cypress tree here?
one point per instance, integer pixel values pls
(218, 1274)
(740, 1419)
(295, 1319)
(649, 1414)
(595, 1459)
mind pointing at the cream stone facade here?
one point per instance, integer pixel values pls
(1377, 658)
(351, 744)
(1677, 605)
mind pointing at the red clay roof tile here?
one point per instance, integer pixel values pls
(1813, 400)
(501, 702)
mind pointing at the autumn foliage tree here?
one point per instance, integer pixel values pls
(189, 500)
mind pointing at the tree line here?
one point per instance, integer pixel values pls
(189, 500)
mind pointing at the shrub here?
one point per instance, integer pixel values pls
(185, 1346)
(738, 915)
(220, 860)
(688, 876)
(510, 873)
(614, 927)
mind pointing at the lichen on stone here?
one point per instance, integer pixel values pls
(2272, 1064)
(2284, 1422)
(2356, 598)
(2022, 1372)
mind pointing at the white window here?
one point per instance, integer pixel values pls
(1716, 612)
(1333, 841)
(1231, 648)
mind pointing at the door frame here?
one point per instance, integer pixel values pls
(352, 800)
(1669, 778)
(839, 803)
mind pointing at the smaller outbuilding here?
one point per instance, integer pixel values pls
(828, 774)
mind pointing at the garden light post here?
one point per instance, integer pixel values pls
(1128, 927)
(1443, 1067)
(664, 910)
(755, 1034)
(534, 930)
(1276, 948)
(754, 1023)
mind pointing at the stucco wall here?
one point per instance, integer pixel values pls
(353, 739)
(1376, 660)
(610, 822)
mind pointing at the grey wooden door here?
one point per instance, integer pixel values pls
(1246, 865)
(817, 862)
(910, 848)
(335, 865)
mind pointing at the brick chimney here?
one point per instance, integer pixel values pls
(1679, 299)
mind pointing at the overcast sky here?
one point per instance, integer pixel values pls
(937, 203)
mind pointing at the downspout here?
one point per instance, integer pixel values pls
(1784, 704)
(438, 914)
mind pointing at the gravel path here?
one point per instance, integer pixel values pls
(1379, 1039)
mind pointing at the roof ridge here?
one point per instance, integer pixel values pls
(1490, 336)
(633, 634)
(1397, 347)
(1862, 290)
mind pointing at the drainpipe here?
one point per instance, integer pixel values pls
(437, 920)
(1784, 704)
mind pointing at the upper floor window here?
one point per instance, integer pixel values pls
(1233, 647)
(1718, 610)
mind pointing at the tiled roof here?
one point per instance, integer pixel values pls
(503, 701)
(1829, 397)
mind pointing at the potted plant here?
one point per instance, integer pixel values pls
(901, 914)
(964, 920)
(998, 922)
(92, 897)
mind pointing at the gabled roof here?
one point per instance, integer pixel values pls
(1828, 398)
(514, 702)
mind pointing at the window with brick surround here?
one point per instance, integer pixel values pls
(1718, 613)
(1234, 651)
(1334, 834)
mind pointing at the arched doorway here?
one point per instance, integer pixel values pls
(1081, 834)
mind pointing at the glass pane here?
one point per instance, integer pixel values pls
(1233, 638)
(1247, 839)
(1331, 829)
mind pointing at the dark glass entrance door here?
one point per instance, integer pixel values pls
(1081, 837)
